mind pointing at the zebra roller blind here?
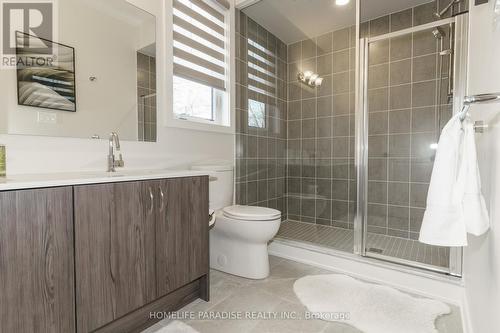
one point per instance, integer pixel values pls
(200, 41)
(261, 68)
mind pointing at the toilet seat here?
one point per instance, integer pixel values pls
(251, 213)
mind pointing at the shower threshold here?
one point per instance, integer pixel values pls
(379, 246)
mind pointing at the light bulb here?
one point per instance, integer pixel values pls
(341, 2)
(307, 74)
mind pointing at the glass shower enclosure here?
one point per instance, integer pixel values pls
(349, 162)
(411, 82)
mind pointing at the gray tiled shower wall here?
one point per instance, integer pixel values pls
(404, 120)
(321, 175)
(304, 163)
(260, 152)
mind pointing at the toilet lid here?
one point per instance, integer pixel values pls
(251, 213)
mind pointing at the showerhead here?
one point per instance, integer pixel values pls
(439, 14)
(438, 33)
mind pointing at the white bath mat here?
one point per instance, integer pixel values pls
(177, 327)
(371, 308)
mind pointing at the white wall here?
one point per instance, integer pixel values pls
(482, 256)
(175, 147)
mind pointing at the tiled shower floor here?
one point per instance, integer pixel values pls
(343, 240)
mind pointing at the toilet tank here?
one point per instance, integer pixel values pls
(221, 184)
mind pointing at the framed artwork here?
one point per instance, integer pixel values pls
(45, 73)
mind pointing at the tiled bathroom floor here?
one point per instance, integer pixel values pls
(231, 293)
(343, 240)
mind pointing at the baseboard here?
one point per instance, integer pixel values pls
(141, 319)
(447, 289)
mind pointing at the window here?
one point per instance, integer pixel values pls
(201, 54)
(256, 114)
(192, 99)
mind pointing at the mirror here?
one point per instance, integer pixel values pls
(99, 75)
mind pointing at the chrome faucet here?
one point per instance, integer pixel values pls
(114, 146)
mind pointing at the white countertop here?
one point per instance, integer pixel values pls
(18, 182)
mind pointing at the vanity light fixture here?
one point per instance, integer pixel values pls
(310, 78)
(342, 2)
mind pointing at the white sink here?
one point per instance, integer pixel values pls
(89, 177)
(126, 173)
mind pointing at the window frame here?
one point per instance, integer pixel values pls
(227, 112)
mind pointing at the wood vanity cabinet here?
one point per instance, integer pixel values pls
(101, 258)
(181, 233)
(135, 243)
(115, 251)
(36, 261)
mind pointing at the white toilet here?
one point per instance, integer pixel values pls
(239, 238)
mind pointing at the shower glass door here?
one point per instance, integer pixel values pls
(407, 96)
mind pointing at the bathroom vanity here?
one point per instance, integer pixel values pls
(95, 251)
(99, 254)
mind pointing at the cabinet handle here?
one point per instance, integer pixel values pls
(151, 196)
(162, 206)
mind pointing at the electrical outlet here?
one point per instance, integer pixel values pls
(47, 117)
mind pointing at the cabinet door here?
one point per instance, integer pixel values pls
(181, 233)
(36, 261)
(114, 238)
(195, 213)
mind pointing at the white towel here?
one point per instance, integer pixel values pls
(476, 218)
(455, 204)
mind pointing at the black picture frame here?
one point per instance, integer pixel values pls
(66, 85)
